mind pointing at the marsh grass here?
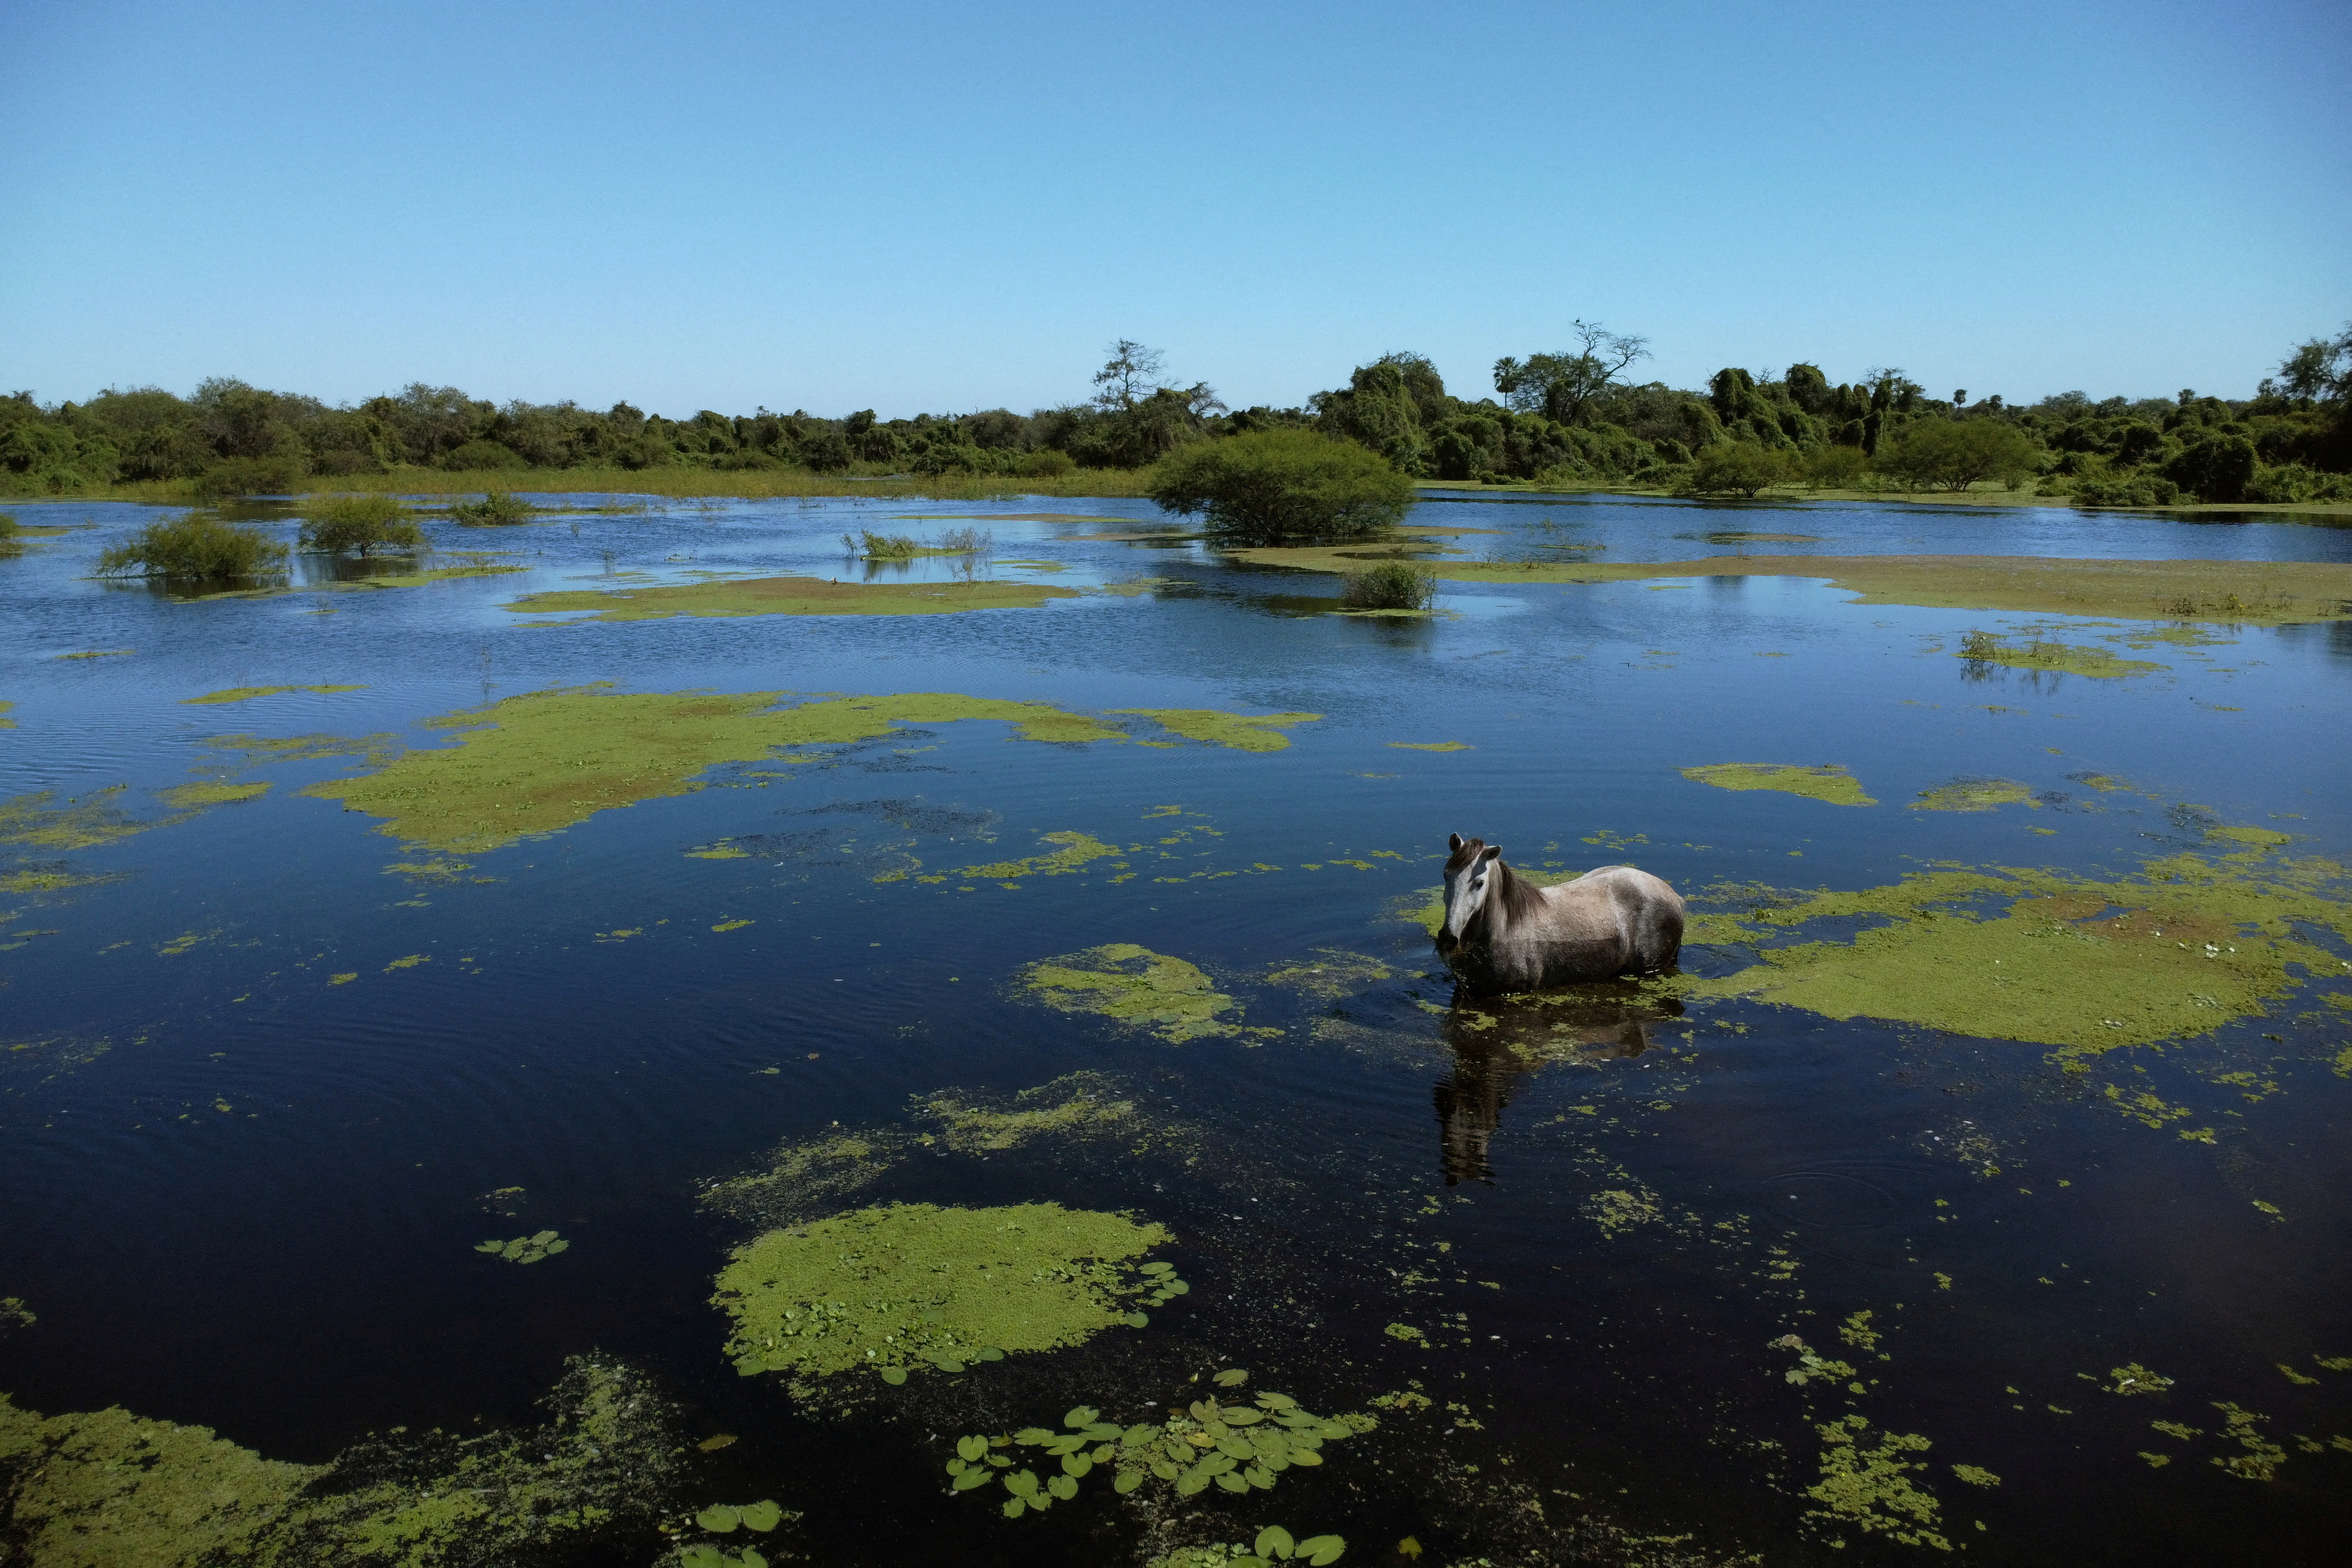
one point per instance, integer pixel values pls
(363, 523)
(968, 540)
(886, 547)
(196, 545)
(10, 544)
(1391, 585)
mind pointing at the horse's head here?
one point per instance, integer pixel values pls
(1468, 877)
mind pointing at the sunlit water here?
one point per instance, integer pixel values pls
(238, 1194)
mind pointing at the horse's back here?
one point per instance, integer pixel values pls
(1647, 912)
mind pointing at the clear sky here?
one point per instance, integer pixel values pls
(948, 207)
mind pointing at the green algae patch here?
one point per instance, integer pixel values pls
(6, 709)
(112, 1489)
(84, 821)
(790, 596)
(1431, 745)
(542, 761)
(912, 1285)
(1870, 1488)
(189, 797)
(1975, 795)
(22, 883)
(101, 654)
(1073, 851)
(247, 693)
(1829, 782)
(2189, 943)
(1234, 731)
(1136, 987)
(1981, 648)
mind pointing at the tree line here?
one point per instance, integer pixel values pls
(1570, 417)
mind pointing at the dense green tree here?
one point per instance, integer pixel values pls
(1560, 384)
(1952, 455)
(1736, 468)
(2216, 466)
(1283, 486)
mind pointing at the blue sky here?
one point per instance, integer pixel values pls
(951, 207)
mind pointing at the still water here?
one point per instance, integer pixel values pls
(273, 1077)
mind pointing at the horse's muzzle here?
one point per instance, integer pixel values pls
(1446, 941)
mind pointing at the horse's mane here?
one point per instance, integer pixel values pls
(1520, 898)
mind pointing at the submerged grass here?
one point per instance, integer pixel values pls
(1981, 648)
(1135, 986)
(1234, 731)
(915, 1285)
(246, 693)
(1829, 782)
(790, 596)
(1976, 795)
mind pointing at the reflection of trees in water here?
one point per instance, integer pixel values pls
(1500, 1041)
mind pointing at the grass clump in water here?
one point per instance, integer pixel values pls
(245, 693)
(1984, 649)
(1871, 1487)
(2191, 943)
(1975, 795)
(1391, 585)
(1135, 986)
(1075, 852)
(791, 596)
(912, 1285)
(534, 1248)
(211, 792)
(334, 524)
(1829, 782)
(83, 822)
(194, 546)
(496, 509)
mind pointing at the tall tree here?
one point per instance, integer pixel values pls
(1131, 375)
(1560, 385)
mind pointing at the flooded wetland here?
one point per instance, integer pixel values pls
(662, 1034)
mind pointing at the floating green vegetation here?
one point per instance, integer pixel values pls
(1235, 1447)
(1273, 1544)
(1334, 972)
(791, 596)
(2188, 944)
(1036, 565)
(1616, 1212)
(16, 1314)
(475, 564)
(1975, 795)
(542, 761)
(2262, 1458)
(1431, 745)
(1136, 986)
(101, 654)
(258, 749)
(2063, 658)
(802, 1179)
(1871, 1487)
(725, 1519)
(1075, 851)
(1236, 731)
(1811, 1364)
(1744, 537)
(1829, 782)
(247, 693)
(497, 508)
(534, 1248)
(6, 709)
(37, 881)
(83, 822)
(211, 792)
(109, 1487)
(1976, 1475)
(2137, 1379)
(915, 1285)
(2230, 592)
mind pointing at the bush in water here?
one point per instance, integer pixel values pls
(1391, 585)
(1274, 486)
(197, 545)
(363, 523)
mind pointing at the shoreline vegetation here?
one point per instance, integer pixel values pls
(1564, 421)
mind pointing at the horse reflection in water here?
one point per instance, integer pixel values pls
(1497, 1040)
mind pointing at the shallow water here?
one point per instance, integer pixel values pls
(240, 1193)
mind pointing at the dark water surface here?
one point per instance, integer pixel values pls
(240, 1196)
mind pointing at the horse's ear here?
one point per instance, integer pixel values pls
(1454, 842)
(1492, 853)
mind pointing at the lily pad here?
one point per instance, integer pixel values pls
(988, 1353)
(1081, 1415)
(1063, 1486)
(1233, 1482)
(762, 1515)
(1159, 1266)
(1319, 1550)
(894, 1375)
(976, 1477)
(702, 1556)
(949, 1363)
(719, 1518)
(1274, 1542)
(972, 1450)
(1232, 1377)
(1138, 1320)
(1077, 1466)
(1013, 1508)
(1126, 1481)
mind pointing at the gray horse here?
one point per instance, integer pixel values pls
(1503, 934)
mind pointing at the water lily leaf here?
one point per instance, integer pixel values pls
(558, 1245)
(1233, 1482)
(1032, 1435)
(1105, 1432)
(1165, 1470)
(974, 1448)
(1259, 1476)
(1081, 1415)
(1138, 1320)
(1274, 1542)
(1334, 1430)
(1000, 1462)
(719, 1518)
(988, 1353)
(1066, 1443)
(751, 1366)
(753, 1557)
(1320, 1550)
(1013, 1507)
(701, 1555)
(932, 1314)
(1021, 1483)
(514, 1247)
(1157, 1266)
(1233, 1448)
(1176, 1288)
(542, 1238)
(958, 1464)
(894, 1375)
(1278, 1401)
(1241, 1416)
(1216, 1464)
(761, 1516)
(1305, 1457)
(491, 1245)
(1192, 1483)
(1126, 1481)
(1232, 1377)
(977, 1475)
(1138, 1436)
(530, 1258)
(949, 1363)
(1076, 1465)
(1063, 1486)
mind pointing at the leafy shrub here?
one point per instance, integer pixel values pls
(273, 476)
(971, 541)
(2291, 482)
(1391, 585)
(1834, 467)
(1952, 455)
(497, 508)
(2215, 467)
(484, 455)
(197, 545)
(886, 547)
(1045, 462)
(363, 523)
(10, 544)
(1736, 467)
(2107, 487)
(1275, 486)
